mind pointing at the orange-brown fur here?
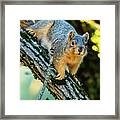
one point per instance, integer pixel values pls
(68, 60)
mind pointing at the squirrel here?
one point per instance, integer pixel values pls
(66, 47)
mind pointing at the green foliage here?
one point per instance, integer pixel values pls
(95, 38)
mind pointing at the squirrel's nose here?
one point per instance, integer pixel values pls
(80, 49)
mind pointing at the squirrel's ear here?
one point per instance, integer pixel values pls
(70, 36)
(86, 36)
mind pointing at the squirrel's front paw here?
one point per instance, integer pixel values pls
(32, 32)
(59, 77)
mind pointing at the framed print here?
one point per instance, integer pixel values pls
(60, 59)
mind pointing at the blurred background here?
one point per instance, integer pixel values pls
(88, 73)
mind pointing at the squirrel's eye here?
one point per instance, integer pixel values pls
(72, 43)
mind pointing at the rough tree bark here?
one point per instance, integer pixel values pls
(37, 58)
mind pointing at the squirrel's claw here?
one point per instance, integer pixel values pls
(51, 51)
(29, 30)
(59, 77)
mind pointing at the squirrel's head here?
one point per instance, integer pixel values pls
(77, 43)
